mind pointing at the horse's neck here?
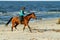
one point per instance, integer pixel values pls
(28, 17)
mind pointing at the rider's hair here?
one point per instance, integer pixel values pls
(22, 8)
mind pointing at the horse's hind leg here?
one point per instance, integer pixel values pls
(12, 27)
(15, 26)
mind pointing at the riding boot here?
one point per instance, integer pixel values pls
(21, 21)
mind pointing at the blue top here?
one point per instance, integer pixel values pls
(21, 13)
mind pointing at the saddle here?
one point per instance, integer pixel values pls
(21, 20)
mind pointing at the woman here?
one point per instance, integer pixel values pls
(21, 14)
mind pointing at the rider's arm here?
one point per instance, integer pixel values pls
(23, 12)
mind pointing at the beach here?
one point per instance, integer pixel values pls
(47, 29)
(46, 26)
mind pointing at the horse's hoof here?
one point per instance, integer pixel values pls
(6, 25)
(12, 30)
(31, 31)
(17, 29)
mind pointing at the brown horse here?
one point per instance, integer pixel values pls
(16, 21)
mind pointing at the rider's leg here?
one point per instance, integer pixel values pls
(22, 18)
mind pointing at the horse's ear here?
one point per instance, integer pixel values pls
(32, 12)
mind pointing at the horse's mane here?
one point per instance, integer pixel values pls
(29, 14)
(25, 16)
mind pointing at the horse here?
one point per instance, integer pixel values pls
(15, 21)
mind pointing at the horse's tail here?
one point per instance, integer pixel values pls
(9, 21)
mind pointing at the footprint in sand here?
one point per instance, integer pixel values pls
(33, 39)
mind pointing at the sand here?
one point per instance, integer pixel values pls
(41, 30)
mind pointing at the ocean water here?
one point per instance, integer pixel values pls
(42, 9)
(30, 5)
(45, 15)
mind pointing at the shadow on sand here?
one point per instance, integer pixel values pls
(44, 30)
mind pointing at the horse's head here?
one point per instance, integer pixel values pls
(33, 15)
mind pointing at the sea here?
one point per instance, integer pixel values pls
(42, 9)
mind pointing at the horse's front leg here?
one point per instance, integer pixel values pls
(29, 28)
(24, 27)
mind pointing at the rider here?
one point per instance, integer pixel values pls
(21, 14)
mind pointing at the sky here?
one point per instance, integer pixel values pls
(29, 0)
